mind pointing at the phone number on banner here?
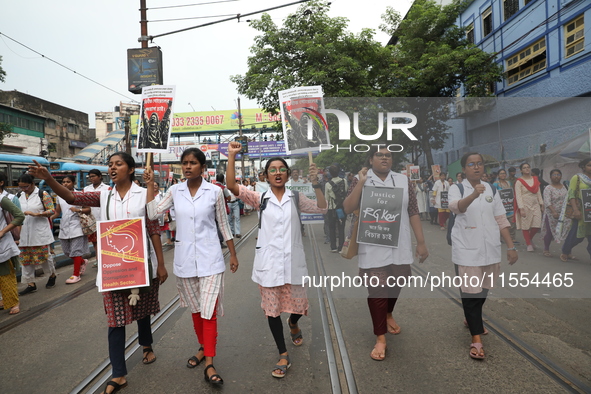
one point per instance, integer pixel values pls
(198, 120)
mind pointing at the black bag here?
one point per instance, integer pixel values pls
(340, 193)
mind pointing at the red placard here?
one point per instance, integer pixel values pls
(122, 254)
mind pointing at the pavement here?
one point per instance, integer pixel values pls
(55, 350)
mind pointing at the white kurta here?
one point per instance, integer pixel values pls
(133, 205)
(36, 230)
(197, 251)
(475, 235)
(70, 226)
(375, 256)
(439, 187)
(96, 211)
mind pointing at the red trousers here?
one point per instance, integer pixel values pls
(207, 332)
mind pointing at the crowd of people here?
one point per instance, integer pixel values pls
(475, 199)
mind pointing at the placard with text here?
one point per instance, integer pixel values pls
(122, 254)
(379, 216)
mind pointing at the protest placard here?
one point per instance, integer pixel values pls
(155, 122)
(304, 126)
(379, 216)
(122, 254)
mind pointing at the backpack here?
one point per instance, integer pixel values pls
(264, 201)
(339, 192)
(452, 218)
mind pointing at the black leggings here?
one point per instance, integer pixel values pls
(276, 327)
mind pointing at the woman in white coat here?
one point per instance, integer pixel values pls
(125, 201)
(441, 189)
(279, 263)
(74, 242)
(476, 245)
(36, 235)
(380, 261)
(198, 259)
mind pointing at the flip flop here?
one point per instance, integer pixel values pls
(147, 351)
(393, 331)
(478, 347)
(116, 386)
(378, 358)
(14, 310)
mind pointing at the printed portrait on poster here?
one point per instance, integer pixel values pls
(155, 122)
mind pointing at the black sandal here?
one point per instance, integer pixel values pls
(116, 386)
(195, 359)
(147, 351)
(209, 379)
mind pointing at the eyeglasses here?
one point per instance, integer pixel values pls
(282, 170)
(380, 154)
(473, 164)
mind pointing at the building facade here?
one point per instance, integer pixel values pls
(106, 122)
(546, 59)
(43, 128)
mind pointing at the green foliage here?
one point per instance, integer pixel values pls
(431, 58)
(5, 130)
(2, 72)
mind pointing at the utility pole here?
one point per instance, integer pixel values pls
(240, 133)
(144, 41)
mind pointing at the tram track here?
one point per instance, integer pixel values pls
(340, 368)
(565, 379)
(98, 377)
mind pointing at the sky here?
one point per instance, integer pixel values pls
(92, 39)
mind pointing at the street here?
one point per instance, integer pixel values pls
(542, 343)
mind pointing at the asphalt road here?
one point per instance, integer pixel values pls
(539, 340)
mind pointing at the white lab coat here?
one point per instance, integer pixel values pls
(96, 211)
(36, 230)
(197, 252)
(70, 226)
(279, 255)
(133, 205)
(475, 235)
(439, 187)
(375, 256)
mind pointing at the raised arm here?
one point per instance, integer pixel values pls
(233, 149)
(41, 172)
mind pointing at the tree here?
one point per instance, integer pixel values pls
(434, 59)
(5, 130)
(431, 58)
(2, 72)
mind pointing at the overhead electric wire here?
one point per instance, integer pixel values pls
(189, 5)
(237, 16)
(194, 17)
(67, 68)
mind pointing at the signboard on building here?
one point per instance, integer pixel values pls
(144, 68)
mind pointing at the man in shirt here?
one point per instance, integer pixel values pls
(335, 192)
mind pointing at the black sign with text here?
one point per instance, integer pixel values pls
(507, 198)
(444, 200)
(586, 194)
(379, 216)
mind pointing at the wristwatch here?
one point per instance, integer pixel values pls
(513, 248)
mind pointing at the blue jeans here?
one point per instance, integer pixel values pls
(234, 217)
